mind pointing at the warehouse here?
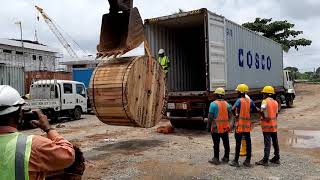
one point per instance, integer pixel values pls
(32, 55)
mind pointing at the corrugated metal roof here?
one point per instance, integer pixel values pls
(27, 45)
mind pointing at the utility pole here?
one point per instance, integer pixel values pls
(22, 45)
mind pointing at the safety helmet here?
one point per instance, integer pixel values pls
(243, 88)
(268, 90)
(220, 91)
(10, 100)
(161, 51)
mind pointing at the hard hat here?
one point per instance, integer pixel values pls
(161, 51)
(220, 91)
(10, 100)
(268, 90)
(243, 88)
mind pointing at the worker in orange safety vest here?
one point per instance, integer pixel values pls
(269, 114)
(218, 125)
(242, 109)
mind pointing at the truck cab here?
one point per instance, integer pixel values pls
(288, 84)
(58, 98)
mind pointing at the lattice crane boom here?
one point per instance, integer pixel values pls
(57, 33)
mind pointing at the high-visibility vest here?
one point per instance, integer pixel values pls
(269, 123)
(15, 150)
(164, 63)
(244, 122)
(222, 120)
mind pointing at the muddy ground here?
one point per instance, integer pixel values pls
(133, 153)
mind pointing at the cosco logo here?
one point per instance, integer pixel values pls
(252, 60)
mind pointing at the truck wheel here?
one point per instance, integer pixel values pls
(278, 99)
(77, 113)
(289, 102)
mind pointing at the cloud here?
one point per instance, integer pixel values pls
(300, 9)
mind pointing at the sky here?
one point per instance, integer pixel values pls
(81, 19)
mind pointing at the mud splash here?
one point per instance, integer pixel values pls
(304, 139)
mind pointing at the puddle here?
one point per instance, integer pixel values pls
(305, 139)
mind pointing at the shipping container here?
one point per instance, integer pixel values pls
(33, 76)
(208, 51)
(82, 75)
(12, 76)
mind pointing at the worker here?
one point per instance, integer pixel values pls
(218, 125)
(242, 109)
(269, 114)
(28, 157)
(164, 61)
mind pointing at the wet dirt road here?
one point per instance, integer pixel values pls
(133, 153)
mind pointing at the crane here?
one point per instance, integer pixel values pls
(57, 33)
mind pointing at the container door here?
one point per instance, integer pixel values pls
(217, 53)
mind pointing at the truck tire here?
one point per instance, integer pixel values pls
(76, 113)
(289, 101)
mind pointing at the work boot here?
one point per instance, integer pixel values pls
(234, 163)
(225, 160)
(214, 161)
(275, 160)
(246, 163)
(262, 163)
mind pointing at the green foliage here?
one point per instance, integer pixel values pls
(279, 31)
(310, 76)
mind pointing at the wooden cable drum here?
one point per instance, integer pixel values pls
(128, 91)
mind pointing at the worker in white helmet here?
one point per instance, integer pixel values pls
(164, 60)
(28, 157)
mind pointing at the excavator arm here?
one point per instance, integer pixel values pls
(120, 5)
(121, 30)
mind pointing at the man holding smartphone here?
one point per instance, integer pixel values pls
(28, 157)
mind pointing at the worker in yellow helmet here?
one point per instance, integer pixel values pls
(218, 125)
(164, 61)
(242, 109)
(269, 114)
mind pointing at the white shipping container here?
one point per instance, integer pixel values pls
(208, 51)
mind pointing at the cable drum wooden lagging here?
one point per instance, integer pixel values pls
(128, 91)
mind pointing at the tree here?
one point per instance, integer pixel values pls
(292, 69)
(279, 31)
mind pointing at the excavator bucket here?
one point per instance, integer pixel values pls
(120, 33)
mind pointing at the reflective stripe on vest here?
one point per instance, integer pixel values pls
(244, 121)
(164, 63)
(222, 120)
(269, 123)
(15, 150)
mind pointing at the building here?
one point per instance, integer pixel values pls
(33, 56)
(81, 63)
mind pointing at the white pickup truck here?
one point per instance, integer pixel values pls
(57, 98)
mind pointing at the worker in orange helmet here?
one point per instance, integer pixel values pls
(269, 114)
(242, 109)
(218, 125)
(28, 157)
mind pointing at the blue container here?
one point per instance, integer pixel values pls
(82, 75)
